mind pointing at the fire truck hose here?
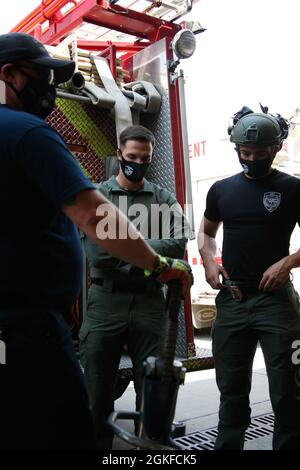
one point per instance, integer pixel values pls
(123, 117)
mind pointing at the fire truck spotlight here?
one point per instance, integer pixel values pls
(184, 44)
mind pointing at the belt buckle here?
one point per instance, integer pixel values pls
(235, 291)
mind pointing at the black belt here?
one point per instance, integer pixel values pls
(126, 286)
(247, 287)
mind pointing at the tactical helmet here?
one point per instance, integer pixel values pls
(259, 129)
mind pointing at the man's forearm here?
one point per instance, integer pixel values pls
(207, 249)
(107, 227)
(130, 248)
(169, 247)
(293, 260)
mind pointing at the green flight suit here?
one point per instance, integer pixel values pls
(126, 309)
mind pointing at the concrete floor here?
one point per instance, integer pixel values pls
(198, 400)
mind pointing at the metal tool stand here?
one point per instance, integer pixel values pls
(163, 375)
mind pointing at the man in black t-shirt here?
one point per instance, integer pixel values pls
(259, 209)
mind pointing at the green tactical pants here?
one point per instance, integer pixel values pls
(112, 320)
(273, 319)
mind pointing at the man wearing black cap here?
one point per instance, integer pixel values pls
(31, 59)
(43, 195)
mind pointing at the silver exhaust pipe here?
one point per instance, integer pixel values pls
(76, 82)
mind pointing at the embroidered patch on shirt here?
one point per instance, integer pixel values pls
(271, 200)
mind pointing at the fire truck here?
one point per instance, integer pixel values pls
(127, 55)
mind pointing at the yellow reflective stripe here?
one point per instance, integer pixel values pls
(86, 127)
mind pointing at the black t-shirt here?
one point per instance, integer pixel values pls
(40, 252)
(258, 218)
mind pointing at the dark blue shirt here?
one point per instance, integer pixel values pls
(258, 218)
(40, 252)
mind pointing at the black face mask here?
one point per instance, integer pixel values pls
(134, 172)
(37, 97)
(256, 168)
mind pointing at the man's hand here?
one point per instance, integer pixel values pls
(212, 275)
(276, 275)
(168, 269)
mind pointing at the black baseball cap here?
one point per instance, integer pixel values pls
(15, 47)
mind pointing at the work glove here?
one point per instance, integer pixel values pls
(169, 269)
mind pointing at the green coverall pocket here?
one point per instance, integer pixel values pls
(82, 347)
(223, 296)
(83, 334)
(292, 296)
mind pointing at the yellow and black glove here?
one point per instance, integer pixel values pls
(169, 269)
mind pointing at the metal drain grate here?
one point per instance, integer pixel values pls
(260, 426)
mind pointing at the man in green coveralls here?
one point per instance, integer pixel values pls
(123, 307)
